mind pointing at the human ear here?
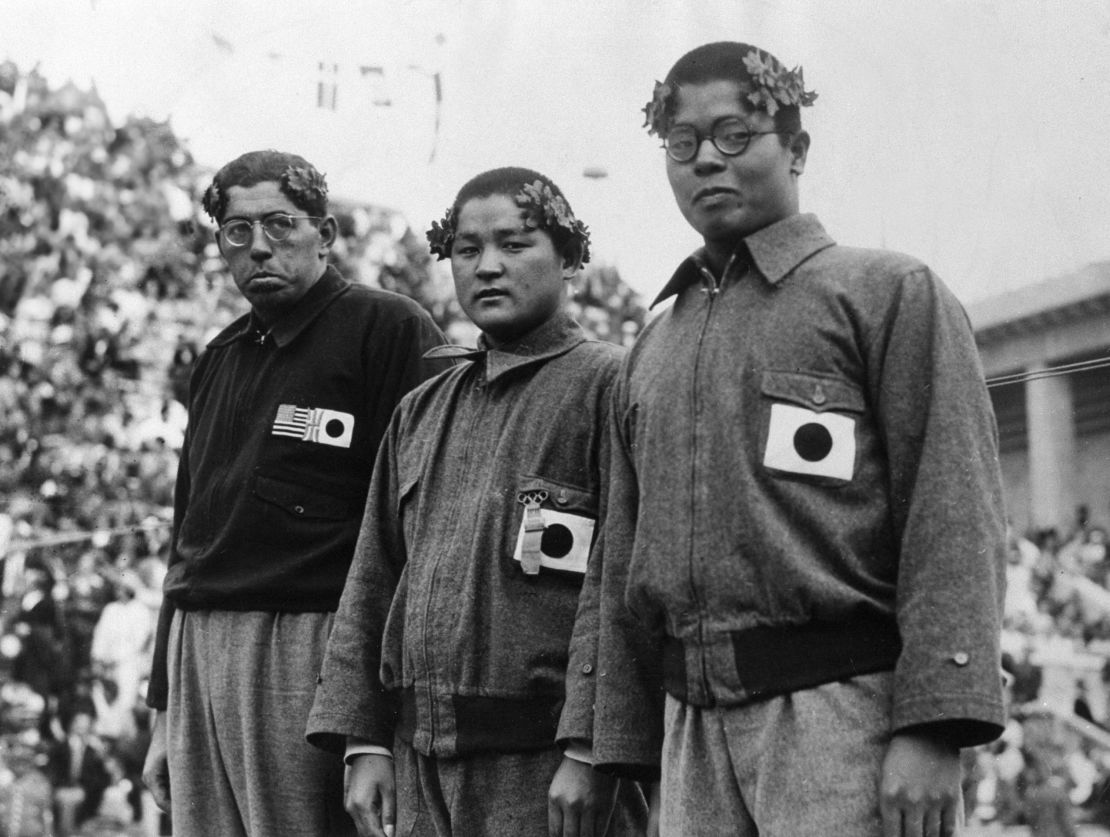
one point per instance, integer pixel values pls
(799, 149)
(329, 232)
(572, 260)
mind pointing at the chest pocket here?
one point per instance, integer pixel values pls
(810, 426)
(556, 527)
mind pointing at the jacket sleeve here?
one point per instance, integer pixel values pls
(158, 686)
(350, 699)
(626, 687)
(945, 490)
(577, 717)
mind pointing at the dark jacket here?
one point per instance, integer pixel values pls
(441, 634)
(283, 429)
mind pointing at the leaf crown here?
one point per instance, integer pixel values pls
(768, 87)
(304, 186)
(543, 209)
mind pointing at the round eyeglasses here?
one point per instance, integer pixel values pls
(730, 135)
(277, 227)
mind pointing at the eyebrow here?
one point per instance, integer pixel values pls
(500, 232)
(261, 217)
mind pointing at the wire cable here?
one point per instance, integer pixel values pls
(1049, 372)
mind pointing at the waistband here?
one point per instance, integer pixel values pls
(488, 723)
(776, 659)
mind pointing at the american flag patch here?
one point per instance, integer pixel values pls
(314, 424)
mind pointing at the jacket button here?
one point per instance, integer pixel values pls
(587, 669)
(819, 396)
(960, 659)
(298, 509)
(562, 499)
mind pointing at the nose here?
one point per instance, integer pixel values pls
(708, 160)
(489, 264)
(260, 245)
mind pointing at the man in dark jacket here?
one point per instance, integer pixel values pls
(287, 407)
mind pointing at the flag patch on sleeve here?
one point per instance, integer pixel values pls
(802, 441)
(314, 424)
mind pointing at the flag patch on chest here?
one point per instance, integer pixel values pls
(314, 424)
(805, 442)
(562, 541)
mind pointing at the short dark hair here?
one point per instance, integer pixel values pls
(724, 61)
(513, 181)
(297, 178)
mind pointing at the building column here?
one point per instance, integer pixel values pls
(1052, 463)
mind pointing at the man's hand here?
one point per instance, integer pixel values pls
(919, 794)
(369, 795)
(580, 801)
(156, 769)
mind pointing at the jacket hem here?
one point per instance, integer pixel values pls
(775, 660)
(488, 724)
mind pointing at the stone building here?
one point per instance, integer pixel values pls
(1046, 354)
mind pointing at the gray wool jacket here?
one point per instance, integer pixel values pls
(804, 487)
(441, 634)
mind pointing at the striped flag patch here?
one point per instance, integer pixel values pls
(314, 424)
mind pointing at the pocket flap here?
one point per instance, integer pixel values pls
(818, 393)
(561, 496)
(301, 500)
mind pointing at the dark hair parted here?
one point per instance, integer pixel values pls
(297, 178)
(764, 81)
(543, 206)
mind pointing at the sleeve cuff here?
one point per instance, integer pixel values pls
(579, 750)
(354, 750)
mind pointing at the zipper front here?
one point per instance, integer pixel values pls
(711, 290)
(475, 396)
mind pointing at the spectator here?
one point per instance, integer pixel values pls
(1048, 809)
(25, 794)
(88, 593)
(78, 773)
(121, 639)
(37, 624)
(1081, 706)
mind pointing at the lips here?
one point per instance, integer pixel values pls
(490, 293)
(711, 192)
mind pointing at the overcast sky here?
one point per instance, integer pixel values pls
(971, 134)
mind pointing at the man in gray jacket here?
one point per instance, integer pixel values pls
(443, 681)
(801, 569)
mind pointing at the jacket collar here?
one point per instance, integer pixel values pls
(322, 293)
(555, 337)
(774, 251)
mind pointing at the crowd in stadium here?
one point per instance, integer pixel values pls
(109, 287)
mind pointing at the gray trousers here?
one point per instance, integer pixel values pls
(805, 763)
(240, 689)
(491, 795)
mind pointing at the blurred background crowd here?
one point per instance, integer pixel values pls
(110, 285)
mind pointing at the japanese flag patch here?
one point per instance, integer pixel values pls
(801, 441)
(314, 424)
(564, 542)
